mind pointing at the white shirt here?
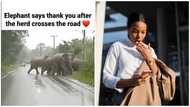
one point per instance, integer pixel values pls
(122, 61)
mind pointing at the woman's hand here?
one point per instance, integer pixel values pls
(139, 79)
(136, 80)
(144, 50)
(146, 53)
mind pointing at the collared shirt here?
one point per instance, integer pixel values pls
(122, 61)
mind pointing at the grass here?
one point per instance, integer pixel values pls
(5, 69)
(84, 76)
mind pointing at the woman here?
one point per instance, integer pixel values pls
(121, 69)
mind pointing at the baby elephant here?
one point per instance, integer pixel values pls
(36, 63)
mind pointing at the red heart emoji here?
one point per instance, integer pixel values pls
(85, 23)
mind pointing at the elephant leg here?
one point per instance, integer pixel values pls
(70, 69)
(64, 72)
(52, 72)
(56, 72)
(37, 71)
(30, 70)
(48, 71)
(67, 70)
(59, 72)
(43, 70)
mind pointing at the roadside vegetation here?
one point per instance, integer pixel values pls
(14, 53)
(12, 46)
(83, 49)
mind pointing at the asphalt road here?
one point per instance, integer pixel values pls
(20, 88)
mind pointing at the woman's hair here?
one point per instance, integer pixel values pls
(134, 17)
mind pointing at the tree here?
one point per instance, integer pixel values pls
(12, 42)
(42, 50)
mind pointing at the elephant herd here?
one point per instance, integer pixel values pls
(58, 64)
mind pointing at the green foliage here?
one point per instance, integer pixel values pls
(75, 47)
(12, 44)
(84, 76)
(85, 51)
(7, 68)
(42, 50)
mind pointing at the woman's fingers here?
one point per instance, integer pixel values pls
(137, 81)
(141, 50)
(140, 47)
(144, 50)
(140, 81)
(136, 76)
(146, 75)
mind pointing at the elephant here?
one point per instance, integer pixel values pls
(76, 63)
(59, 64)
(47, 66)
(36, 63)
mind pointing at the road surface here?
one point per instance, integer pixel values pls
(20, 88)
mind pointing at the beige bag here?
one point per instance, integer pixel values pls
(154, 88)
(145, 94)
(167, 81)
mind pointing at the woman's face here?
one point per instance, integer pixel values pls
(137, 31)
